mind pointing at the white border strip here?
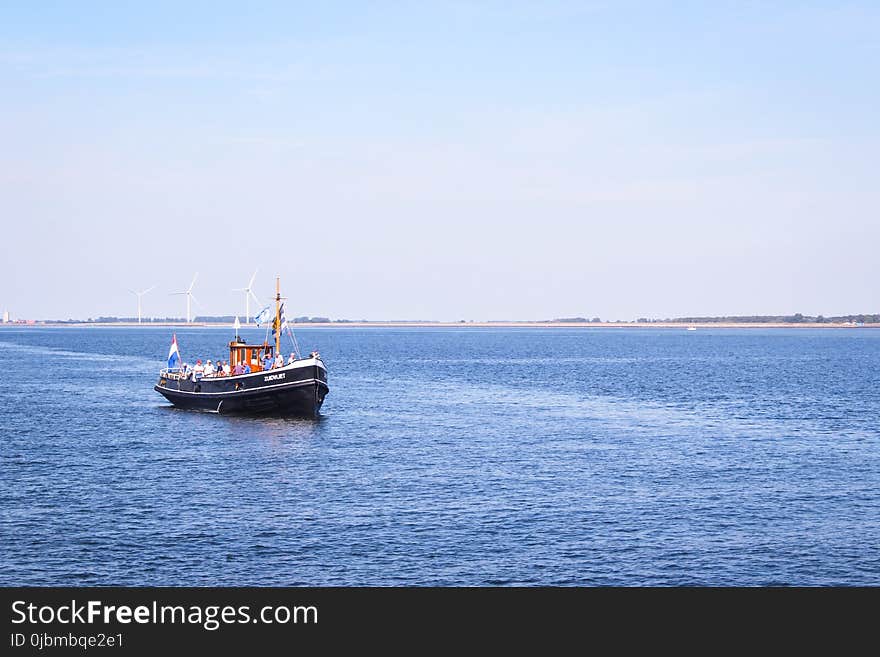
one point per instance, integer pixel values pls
(291, 384)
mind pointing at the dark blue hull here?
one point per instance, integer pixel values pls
(293, 390)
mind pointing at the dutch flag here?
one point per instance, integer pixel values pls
(173, 354)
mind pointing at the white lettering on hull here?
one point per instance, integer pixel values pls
(274, 377)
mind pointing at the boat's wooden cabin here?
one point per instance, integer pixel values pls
(252, 354)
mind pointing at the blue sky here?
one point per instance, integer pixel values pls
(441, 160)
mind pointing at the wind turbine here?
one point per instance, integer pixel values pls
(190, 297)
(248, 293)
(139, 295)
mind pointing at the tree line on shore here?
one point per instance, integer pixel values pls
(206, 319)
(797, 318)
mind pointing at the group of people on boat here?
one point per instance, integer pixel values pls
(223, 368)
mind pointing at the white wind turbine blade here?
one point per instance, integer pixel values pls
(251, 282)
(149, 289)
(189, 289)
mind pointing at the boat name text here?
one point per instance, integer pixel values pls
(274, 377)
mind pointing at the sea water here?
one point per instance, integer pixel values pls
(450, 456)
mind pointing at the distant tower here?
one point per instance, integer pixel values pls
(5, 316)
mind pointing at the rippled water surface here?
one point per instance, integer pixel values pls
(450, 456)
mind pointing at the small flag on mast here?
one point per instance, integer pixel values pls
(173, 353)
(237, 325)
(266, 315)
(275, 324)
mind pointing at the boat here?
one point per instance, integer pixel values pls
(297, 388)
(691, 328)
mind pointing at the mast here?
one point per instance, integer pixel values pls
(277, 315)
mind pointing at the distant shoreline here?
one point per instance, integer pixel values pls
(585, 325)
